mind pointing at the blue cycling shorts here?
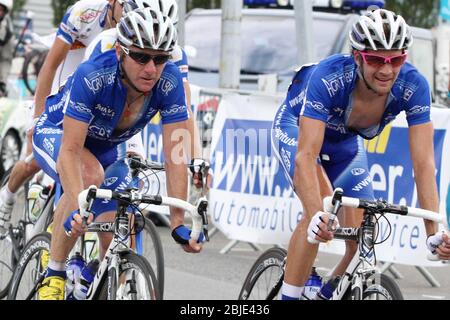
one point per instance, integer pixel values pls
(46, 146)
(345, 162)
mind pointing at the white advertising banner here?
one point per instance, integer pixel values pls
(251, 199)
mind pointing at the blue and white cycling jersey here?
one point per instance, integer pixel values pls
(323, 92)
(105, 41)
(81, 23)
(95, 95)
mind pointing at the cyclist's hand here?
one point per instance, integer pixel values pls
(198, 174)
(318, 230)
(74, 224)
(181, 235)
(439, 243)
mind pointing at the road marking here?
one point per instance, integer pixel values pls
(433, 297)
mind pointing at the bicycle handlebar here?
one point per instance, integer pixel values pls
(381, 206)
(198, 212)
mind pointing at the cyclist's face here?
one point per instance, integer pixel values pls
(142, 71)
(380, 75)
(2, 11)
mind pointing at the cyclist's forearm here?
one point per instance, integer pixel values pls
(196, 150)
(69, 170)
(43, 88)
(427, 192)
(307, 184)
(176, 177)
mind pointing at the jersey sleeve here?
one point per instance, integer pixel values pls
(418, 102)
(82, 95)
(179, 58)
(318, 97)
(69, 28)
(173, 100)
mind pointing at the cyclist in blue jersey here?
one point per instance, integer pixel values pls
(109, 99)
(81, 23)
(318, 135)
(106, 41)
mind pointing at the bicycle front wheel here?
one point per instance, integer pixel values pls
(31, 268)
(11, 244)
(151, 248)
(382, 287)
(136, 280)
(265, 278)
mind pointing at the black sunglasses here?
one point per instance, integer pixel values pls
(144, 58)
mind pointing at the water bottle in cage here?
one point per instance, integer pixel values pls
(326, 292)
(73, 270)
(86, 278)
(36, 197)
(312, 286)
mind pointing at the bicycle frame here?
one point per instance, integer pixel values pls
(120, 243)
(362, 266)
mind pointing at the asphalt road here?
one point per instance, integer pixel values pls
(211, 275)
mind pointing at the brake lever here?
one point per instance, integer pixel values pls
(202, 209)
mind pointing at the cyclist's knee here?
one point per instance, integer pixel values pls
(92, 175)
(32, 167)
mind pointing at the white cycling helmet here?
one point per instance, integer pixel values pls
(167, 7)
(147, 28)
(380, 30)
(7, 4)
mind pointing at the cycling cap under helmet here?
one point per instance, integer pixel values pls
(147, 28)
(380, 30)
(167, 7)
(7, 4)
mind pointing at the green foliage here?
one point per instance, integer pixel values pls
(59, 8)
(418, 13)
(17, 5)
(206, 4)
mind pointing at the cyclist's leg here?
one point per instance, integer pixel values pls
(350, 172)
(301, 253)
(21, 172)
(46, 145)
(117, 177)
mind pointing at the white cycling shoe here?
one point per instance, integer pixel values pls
(5, 217)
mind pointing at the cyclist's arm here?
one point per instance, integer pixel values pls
(422, 156)
(174, 148)
(196, 149)
(55, 56)
(69, 161)
(306, 181)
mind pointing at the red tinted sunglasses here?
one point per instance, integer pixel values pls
(375, 60)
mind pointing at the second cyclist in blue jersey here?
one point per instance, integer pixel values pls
(107, 100)
(319, 129)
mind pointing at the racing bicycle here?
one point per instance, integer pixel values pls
(361, 279)
(122, 273)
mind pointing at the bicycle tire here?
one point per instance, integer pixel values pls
(271, 258)
(31, 254)
(153, 252)
(130, 262)
(35, 59)
(385, 287)
(7, 257)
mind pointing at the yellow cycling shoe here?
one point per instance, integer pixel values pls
(45, 258)
(52, 288)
